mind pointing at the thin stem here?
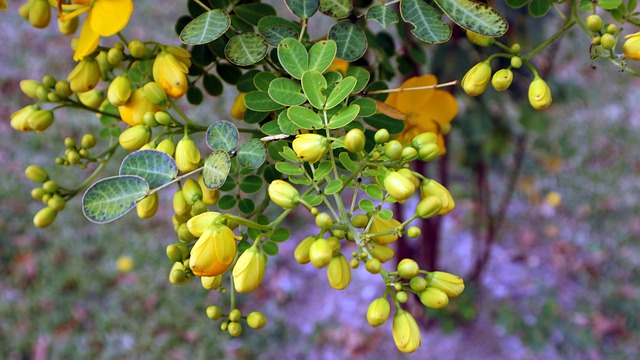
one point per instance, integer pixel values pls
(94, 174)
(202, 5)
(416, 88)
(184, 116)
(175, 180)
(304, 28)
(122, 38)
(551, 39)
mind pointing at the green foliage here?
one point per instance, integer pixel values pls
(111, 198)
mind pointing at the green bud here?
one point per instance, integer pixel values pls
(162, 118)
(515, 48)
(423, 139)
(184, 235)
(56, 202)
(137, 49)
(393, 149)
(115, 56)
(42, 93)
(434, 298)
(516, 62)
(413, 232)
(418, 283)
(155, 93)
(39, 14)
(44, 217)
(29, 87)
(234, 328)
(36, 174)
(360, 221)
(428, 152)
(594, 22)
(135, 137)
(608, 41)
(256, 320)
(23, 10)
(167, 146)
(178, 276)
(398, 186)
(381, 136)
(378, 312)
(324, 220)
(37, 193)
(502, 79)
(48, 81)
(50, 186)
(612, 29)
(191, 191)
(354, 140)
(402, 297)
(53, 97)
(409, 153)
(320, 253)
(235, 315)
(214, 312)
(92, 98)
(408, 268)
(373, 266)
(63, 88)
(68, 27)
(177, 252)
(119, 90)
(283, 194)
(88, 141)
(429, 207)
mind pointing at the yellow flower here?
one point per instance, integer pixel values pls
(214, 251)
(249, 270)
(631, 46)
(379, 225)
(133, 111)
(3, 5)
(104, 18)
(124, 263)
(310, 147)
(171, 74)
(429, 110)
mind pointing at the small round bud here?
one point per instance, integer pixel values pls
(115, 56)
(360, 221)
(409, 153)
(224, 325)
(36, 174)
(162, 118)
(502, 79)
(177, 252)
(354, 263)
(235, 315)
(48, 81)
(88, 141)
(256, 320)
(408, 268)
(57, 203)
(402, 297)
(320, 253)
(39, 13)
(354, 140)
(393, 149)
(594, 22)
(515, 48)
(37, 193)
(63, 88)
(413, 232)
(378, 312)
(539, 94)
(373, 266)
(612, 29)
(608, 41)
(50, 186)
(324, 220)
(381, 136)
(44, 217)
(516, 62)
(214, 312)
(418, 283)
(596, 40)
(137, 49)
(234, 328)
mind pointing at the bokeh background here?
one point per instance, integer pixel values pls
(559, 280)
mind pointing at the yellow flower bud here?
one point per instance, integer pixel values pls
(360, 221)
(539, 94)
(44, 217)
(199, 223)
(320, 253)
(408, 268)
(383, 253)
(115, 56)
(339, 272)
(119, 90)
(170, 74)
(249, 270)
(256, 320)
(211, 282)
(40, 120)
(479, 40)
(181, 54)
(594, 22)
(381, 136)
(85, 76)
(238, 109)
(431, 187)
(406, 332)
(68, 27)
(23, 10)
(133, 111)
(378, 312)
(155, 93)
(20, 118)
(180, 206)
(429, 207)
(191, 191)
(423, 139)
(354, 140)
(92, 98)
(39, 13)
(29, 87)
(608, 41)
(502, 79)
(177, 275)
(398, 186)
(418, 283)
(187, 155)
(137, 48)
(135, 137)
(373, 266)
(301, 253)
(167, 146)
(177, 252)
(209, 196)
(36, 174)
(452, 285)
(283, 194)
(475, 81)
(310, 147)
(631, 46)
(393, 149)
(434, 298)
(148, 206)
(428, 152)
(379, 225)
(410, 175)
(214, 251)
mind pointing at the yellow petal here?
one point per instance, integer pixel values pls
(88, 41)
(3, 5)
(413, 101)
(441, 108)
(110, 16)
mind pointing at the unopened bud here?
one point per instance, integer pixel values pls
(148, 206)
(135, 137)
(539, 94)
(301, 252)
(283, 194)
(36, 174)
(399, 187)
(39, 13)
(191, 191)
(68, 27)
(320, 253)
(40, 120)
(310, 147)
(378, 312)
(408, 268)
(256, 320)
(44, 217)
(137, 49)
(406, 332)
(475, 81)
(249, 270)
(434, 298)
(429, 207)
(187, 155)
(354, 140)
(85, 76)
(502, 79)
(339, 272)
(119, 90)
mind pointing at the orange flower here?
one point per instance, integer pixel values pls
(426, 110)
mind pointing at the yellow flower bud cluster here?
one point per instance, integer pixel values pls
(48, 192)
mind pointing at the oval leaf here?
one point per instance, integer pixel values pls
(313, 85)
(427, 21)
(293, 57)
(111, 198)
(273, 34)
(382, 15)
(216, 169)
(252, 154)
(206, 27)
(350, 39)
(321, 55)
(305, 118)
(251, 184)
(338, 9)
(333, 186)
(340, 92)
(286, 125)
(361, 75)
(286, 92)
(344, 116)
(156, 167)
(246, 49)
(303, 9)
(253, 12)
(289, 169)
(540, 8)
(260, 101)
(222, 135)
(475, 16)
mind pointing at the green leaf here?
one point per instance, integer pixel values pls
(212, 84)
(333, 78)
(517, 3)
(252, 154)
(252, 117)
(344, 116)
(303, 9)
(289, 169)
(346, 161)
(425, 20)
(260, 101)
(367, 106)
(228, 185)
(286, 92)
(245, 83)
(263, 79)
(313, 200)
(321, 55)
(246, 49)
(286, 125)
(539, 8)
(333, 187)
(216, 169)
(239, 26)
(381, 121)
(300, 181)
(289, 154)
(206, 27)
(313, 85)
(324, 168)
(338, 9)
(340, 92)
(304, 117)
(274, 148)
(350, 39)
(609, 4)
(226, 202)
(362, 76)
(475, 16)
(253, 12)
(271, 128)
(156, 167)
(366, 205)
(273, 34)
(229, 73)
(222, 135)
(270, 248)
(251, 184)
(382, 15)
(293, 57)
(246, 206)
(280, 235)
(111, 198)
(374, 191)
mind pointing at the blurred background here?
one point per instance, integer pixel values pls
(545, 231)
